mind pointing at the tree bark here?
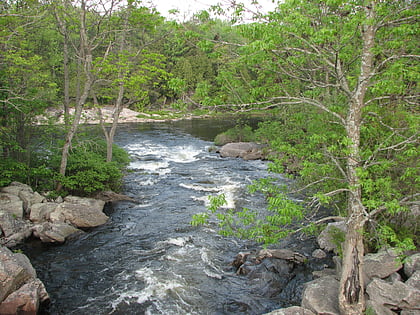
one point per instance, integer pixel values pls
(121, 89)
(351, 293)
(86, 55)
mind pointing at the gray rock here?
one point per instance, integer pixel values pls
(319, 254)
(394, 277)
(385, 297)
(414, 280)
(26, 299)
(15, 231)
(54, 232)
(321, 296)
(80, 212)
(245, 150)
(29, 198)
(412, 264)
(15, 270)
(11, 203)
(285, 254)
(324, 272)
(10, 225)
(326, 239)
(15, 187)
(40, 212)
(380, 265)
(294, 310)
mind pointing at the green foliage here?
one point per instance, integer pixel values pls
(337, 238)
(282, 218)
(239, 133)
(12, 170)
(87, 172)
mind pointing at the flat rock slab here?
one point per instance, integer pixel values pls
(245, 150)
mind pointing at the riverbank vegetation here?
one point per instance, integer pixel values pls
(337, 81)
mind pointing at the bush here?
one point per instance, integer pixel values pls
(88, 172)
(11, 170)
(235, 134)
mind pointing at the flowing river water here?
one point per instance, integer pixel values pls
(148, 259)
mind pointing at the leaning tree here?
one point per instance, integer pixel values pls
(349, 70)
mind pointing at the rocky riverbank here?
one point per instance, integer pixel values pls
(391, 286)
(92, 116)
(25, 214)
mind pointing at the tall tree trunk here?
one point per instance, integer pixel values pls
(121, 89)
(66, 77)
(115, 116)
(86, 56)
(351, 293)
(63, 29)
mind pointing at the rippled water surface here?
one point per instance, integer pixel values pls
(148, 259)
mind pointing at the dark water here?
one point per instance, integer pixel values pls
(148, 259)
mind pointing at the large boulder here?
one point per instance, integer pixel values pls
(321, 296)
(26, 299)
(49, 232)
(13, 230)
(328, 239)
(11, 203)
(245, 150)
(414, 280)
(385, 297)
(293, 310)
(281, 253)
(15, 270)
(29, 198)
(80, 212)
(40, 212)
(412, 264)
(21, 291)
(380, 265)
(15, 188)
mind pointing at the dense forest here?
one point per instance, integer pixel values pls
(336, 81)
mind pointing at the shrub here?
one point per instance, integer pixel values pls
(88, 172)
(12, 170)
(235, 134)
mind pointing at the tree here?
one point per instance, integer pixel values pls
(26, 83)
(128, 68)
(355, 63)
(91, 19)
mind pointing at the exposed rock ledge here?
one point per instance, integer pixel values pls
(21, 292)
(244, 150)
(25, 213)
(91, 116)
(391, 287)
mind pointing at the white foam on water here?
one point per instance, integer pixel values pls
(155, 287)
(211, 270)
(229, 190)
(179, 241)
(178, 154)
(182, 154)
(197, 187)
(160, 168)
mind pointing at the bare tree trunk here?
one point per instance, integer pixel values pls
(115, 116)
(62, 24)
(86, 56)
(121, 89)
(351, 294)
(66, 78)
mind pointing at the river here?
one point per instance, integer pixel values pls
(148, 259)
